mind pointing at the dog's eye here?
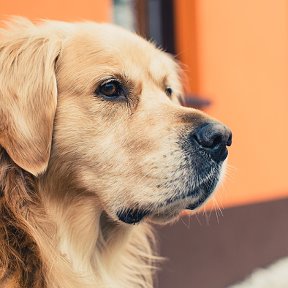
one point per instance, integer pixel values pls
(111, 89)
(169, 91)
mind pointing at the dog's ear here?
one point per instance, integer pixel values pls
(28, 95)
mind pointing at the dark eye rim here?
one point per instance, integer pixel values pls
(169, 91)
(120, 90)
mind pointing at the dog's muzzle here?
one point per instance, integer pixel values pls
(205, 149)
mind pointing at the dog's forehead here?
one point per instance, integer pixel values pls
(113, 47)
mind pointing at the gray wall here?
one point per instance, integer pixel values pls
(206, 253)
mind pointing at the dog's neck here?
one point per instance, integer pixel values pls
(98, 249)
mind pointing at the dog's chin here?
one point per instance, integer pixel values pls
(170, 210)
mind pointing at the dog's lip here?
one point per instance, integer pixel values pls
(132, 216)
(189, 210)
(199, 194)
(186, 203)
(185, 212)
(135, 215)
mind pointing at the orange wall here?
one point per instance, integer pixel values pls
(68, 10)
(237, 55)
(242, 65)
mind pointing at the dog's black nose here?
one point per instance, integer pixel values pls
(213, 138)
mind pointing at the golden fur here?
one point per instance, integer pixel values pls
(69, 160)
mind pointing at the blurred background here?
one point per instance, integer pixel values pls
(235, 57)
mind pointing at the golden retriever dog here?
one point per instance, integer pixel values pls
(93, 140)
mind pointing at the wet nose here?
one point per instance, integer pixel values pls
(214, 139)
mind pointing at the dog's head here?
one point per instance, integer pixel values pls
(108, 99)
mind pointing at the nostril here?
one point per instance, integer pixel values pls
(208, 140)
(217, 140)
(229, 141)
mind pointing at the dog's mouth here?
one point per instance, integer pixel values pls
(172, 207)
